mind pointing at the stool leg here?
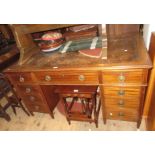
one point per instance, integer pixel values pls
(98, 110)
(95, 114)
(72, 103)
(66, 109)
(83, 106)
(87, 108)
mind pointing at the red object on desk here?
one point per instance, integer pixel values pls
(94, 53)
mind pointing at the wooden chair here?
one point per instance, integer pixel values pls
(86, 96)
(7, 91)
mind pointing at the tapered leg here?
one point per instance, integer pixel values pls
(3, 114)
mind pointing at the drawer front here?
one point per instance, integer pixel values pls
(121, 103)
(33, 99)
(35, 103)
(67, 78)
(28, 89)
(122, 114)
(122, 92)
(137, 76)
(21, 78)
(38, 108)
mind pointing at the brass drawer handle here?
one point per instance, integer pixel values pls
(121, 114)
(121, 103)
(36, 107)
(21, 79)
(121, 78)
(28, 90)
(81, 77)
(111, 114)
(121, 92)
(32, 98)
(48, 78)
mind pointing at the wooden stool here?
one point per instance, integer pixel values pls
(86, 96)
(7, 91)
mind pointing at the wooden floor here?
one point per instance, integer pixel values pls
(43, 122)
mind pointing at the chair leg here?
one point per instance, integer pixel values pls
(15, 102)
(14, 110)
(7, 117)
(21, 105)
(4, 115)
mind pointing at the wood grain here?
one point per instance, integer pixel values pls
(127, 56)
(149, 109)
(136, 76)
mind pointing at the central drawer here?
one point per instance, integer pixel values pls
(67, 77)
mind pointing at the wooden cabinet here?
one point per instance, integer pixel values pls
(123, 102)
(31, 93)
(122, 78)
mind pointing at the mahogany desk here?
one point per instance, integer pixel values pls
(122, 78)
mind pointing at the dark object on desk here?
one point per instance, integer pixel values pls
(76, 45)
(93, 53)
(7, 91)
(83, 34)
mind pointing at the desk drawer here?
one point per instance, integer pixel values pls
(122, 92)
(38, 108)
(136, 76)
(122, 114)
(21, 77)
(67, 77)
(121, 103)
(35, 103)
(33, 99)
(28, 89)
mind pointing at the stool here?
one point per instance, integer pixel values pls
(7, 91)
(86, 96)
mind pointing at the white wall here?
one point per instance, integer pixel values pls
(148, 28)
